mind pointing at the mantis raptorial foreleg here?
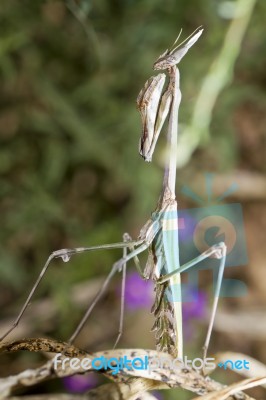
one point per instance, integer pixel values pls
(218, 251)
(154, 108)
(152, 104)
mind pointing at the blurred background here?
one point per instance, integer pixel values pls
(71, 175)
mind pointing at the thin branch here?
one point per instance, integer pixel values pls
(126, 385)
(104, 395)
(232, 389)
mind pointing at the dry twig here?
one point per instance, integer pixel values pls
(128, 385)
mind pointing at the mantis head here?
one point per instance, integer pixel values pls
(175, 54)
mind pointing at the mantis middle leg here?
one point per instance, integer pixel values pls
(219, 251)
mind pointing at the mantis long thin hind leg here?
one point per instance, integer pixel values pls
(65, 254)
(123, 288)
(118, 266)
(218, 250)
(126, 238)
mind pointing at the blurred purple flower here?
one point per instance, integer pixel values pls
(186, 226)
(194, 307)
(195, 304)
(80, 383)
(139, 293)
(158, 395)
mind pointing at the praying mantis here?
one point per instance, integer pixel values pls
(160, 234)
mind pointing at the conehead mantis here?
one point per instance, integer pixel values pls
(152, 105)
(160, 234)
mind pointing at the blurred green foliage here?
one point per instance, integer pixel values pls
(70, 173)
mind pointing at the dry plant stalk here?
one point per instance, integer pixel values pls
(128, 385)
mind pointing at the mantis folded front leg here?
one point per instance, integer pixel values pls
(154, 108)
